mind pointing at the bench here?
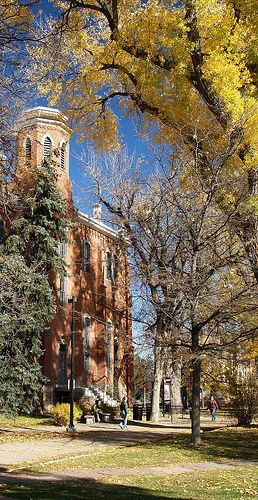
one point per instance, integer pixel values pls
(88, 419)
(105, 417)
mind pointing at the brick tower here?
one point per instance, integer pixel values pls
(97, 276)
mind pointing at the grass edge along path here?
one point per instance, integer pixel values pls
(230, 484)
(217, 446)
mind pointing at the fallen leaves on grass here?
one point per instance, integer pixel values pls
(22, 436)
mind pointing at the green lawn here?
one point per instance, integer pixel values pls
(219, 445)
(25, 421)
(236, 484)
(216, 445)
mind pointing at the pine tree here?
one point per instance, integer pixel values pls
(28, 253)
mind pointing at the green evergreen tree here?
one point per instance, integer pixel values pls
(28, 253)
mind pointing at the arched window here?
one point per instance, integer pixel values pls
(85, 257)
(63, 156)
(108, 265)
(28, 149)
(47, 148)
(87, 332)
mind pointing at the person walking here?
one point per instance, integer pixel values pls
(124, 413)
(96, 411)
(213, 406)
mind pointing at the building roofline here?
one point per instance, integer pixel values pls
(42, 114)
(97, 225)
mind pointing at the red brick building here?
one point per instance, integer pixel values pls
(98, 278)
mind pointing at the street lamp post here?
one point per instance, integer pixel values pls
(71, 427)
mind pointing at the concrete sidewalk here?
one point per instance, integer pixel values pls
(20, 476)
(13, 456)
(56, 442)
(73, 444)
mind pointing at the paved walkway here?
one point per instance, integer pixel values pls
(20, 476)
(87, 437)
(13, 456)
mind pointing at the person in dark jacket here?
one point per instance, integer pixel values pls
(213, 406)
(123, 413)
(96, 411)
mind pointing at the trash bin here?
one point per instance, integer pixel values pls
(137, 412)
(148, 411)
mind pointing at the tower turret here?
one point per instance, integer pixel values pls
(43, 133)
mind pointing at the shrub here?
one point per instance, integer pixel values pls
(86, 406)
(244, 399)
(60, 413)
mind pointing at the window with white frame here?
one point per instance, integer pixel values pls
(112, 266)
(63, 249)
(63, 156)
(87, 334)
(63, 286)
(47, 148)
(85, 256)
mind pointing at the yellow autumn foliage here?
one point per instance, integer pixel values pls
(190, 69)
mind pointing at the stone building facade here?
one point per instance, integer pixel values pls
(98, 279)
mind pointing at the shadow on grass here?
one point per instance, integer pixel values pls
(237, 443)
(82, 488)
(232, 443)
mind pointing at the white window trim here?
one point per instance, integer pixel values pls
(42, 142)
(63, 148)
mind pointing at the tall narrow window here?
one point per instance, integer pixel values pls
(108, 266)
(115, 267)
(116, 349)
(63, 156)
(87, 332)
(63, 249)
(47, 148)
(85, 257)
(63, 291)
(109, 344)
(28, 150)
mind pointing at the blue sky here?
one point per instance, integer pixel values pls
(134, 144)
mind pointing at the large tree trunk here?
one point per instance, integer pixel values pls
(196, 430)
(196, 374)
(158, 373)
(196, 377)
(173, 370)
(176, 370)
(249, 227)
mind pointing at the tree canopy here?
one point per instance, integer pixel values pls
(189, 68)
(28, 252)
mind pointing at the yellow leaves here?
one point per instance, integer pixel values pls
(90, 62)
(12, 14)
(104, 131)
